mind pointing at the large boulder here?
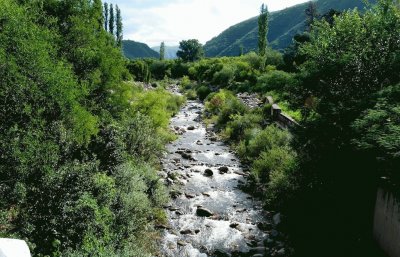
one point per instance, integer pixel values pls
(13, 248)
(203, 212)
(208, 173)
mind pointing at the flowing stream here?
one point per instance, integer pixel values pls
(209, 214)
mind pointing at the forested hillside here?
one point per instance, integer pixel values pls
(133, 50)
(283, 25)
(79, 145)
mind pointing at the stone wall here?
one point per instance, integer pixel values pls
(387, 222)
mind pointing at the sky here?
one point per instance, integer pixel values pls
(155, 21)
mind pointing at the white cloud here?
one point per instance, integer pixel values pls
(173, 21)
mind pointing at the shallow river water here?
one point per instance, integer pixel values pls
(210, 215)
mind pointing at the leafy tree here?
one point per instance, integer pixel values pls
(311, 14)
(111, 21)
(378, 130)
(330, 16)
(190, 50)
(292, 57)
(106, 13)
(347, 64)
(119, 33)
(162, 51)
(262, 30)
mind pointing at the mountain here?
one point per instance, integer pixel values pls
(283, 25)
(134, 50)
(170, 51)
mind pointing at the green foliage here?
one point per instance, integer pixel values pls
(156, 104)
(378, 127)
(349, 118)
(111, 21)
(190, 50)
(140, 70)
(265, 140)
(262, 30)
(162, 51)
(203, 92)
(118, 33)
(225, 105)
(160, 69)
(276, 168)
(78, 151)
(236, 128)
(225, 76)
(275, 80)
(105, 14)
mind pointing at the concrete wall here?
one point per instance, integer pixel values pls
(387, 222)
(277, 115)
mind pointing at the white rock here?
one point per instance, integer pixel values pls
(13, 248)
(277, 219)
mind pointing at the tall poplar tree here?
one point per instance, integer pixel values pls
(162, 51)
(262, 30)
(111, 21)
(119, 26)
(106, 16)
(97, 10)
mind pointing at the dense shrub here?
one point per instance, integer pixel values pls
(160, 69)
(203, 92)
(275, 168)
(240, 123)
(225, 76)
(275, 80)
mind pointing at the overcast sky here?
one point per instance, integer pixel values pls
(154, 21)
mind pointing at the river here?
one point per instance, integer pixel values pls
(210, 215)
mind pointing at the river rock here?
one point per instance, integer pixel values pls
(223, 169)
(186, 156)
(234, 225)
(274, 233)
(220, 253)
(190, 196)
(281, 252)
(277, 219)
(264, 226)
(208, 173)
(191, 128)
(162, 226)
(186, 232)
(181, 243)
(203, 212)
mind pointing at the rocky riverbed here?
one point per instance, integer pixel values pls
(210, 215)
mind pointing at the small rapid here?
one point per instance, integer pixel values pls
(209, 214)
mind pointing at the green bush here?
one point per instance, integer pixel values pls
(160, 69)
(276, 160)
(235, 129)
(275, 80)
(191, 94)
(225, 76)
(203, 92)
(265, 140)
